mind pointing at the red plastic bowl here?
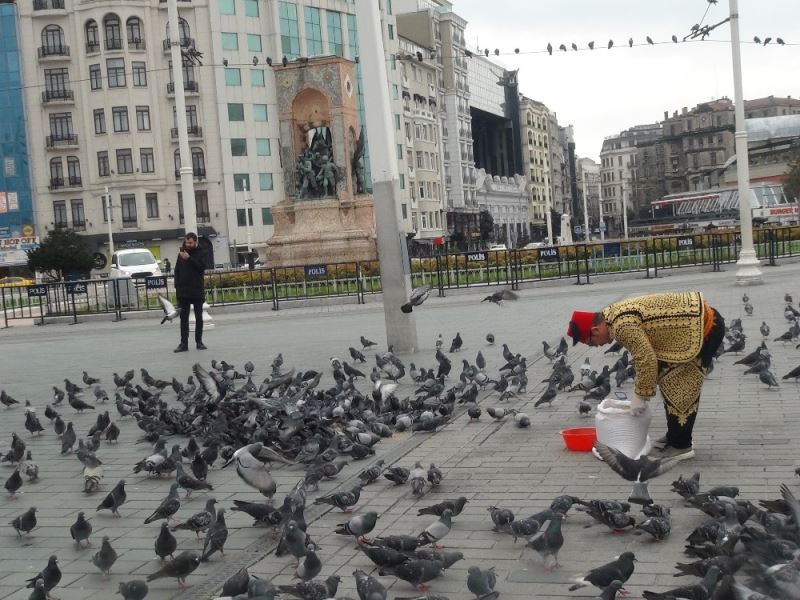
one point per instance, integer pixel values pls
(579, 439)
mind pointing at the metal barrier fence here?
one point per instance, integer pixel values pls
(508, 268)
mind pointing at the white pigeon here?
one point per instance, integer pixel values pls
(170, 312)
(254, 472)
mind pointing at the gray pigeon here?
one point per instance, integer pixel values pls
(639, 470)
(368, 587)
(105, 558)
(418, 296)
(610, 591)
(310, 567)
(50, 575)
(416, 572)
(25, 523)
(767, 378)
(358, 526)
(417, 479)
(481, 583)
(549, 543)
(619, 569)
(115, 499)
(293, 541)
(200, 521)
(168, 507)
(189, 483)
(180, 568)
(254, 472)
(133, 590)
(436, 530)
(38, 592)
(80, 530)
(216, 537)
(165, 544)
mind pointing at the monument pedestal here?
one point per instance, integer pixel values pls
(325, 230)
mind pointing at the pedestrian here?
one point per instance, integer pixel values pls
(672, 338)
(167, 266)
(189, 288)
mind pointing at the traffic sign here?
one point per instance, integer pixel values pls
(75, 287)
(37, 291)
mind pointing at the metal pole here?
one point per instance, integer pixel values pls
(600, 208)
(548, 216)
(401, 329)
(187, 180)
(747, 272)
(247, 201)
(624, 211)
(108, 220)
(585, 208)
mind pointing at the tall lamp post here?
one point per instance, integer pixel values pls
(747, 272)
(401, 328)
(585, 207)
(187, 178)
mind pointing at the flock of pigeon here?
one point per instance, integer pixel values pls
(290, 420)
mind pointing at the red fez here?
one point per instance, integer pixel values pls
(580, 326)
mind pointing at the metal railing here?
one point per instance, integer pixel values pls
(442, 270)
(48, 5)
(54, 50)
(192, 130)
(58, 96)
(188, 87)
(64, 139)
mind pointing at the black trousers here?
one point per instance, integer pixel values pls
(680, 436)
(185, 305)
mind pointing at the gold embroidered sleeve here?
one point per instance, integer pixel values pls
(638, 344)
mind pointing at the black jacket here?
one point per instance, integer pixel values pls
(189, 280)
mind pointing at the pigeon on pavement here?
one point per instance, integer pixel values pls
(165, 544)
(549, 543)
(105, 558)
(216, 537)
(135, 589)
(25, 523)
(180, 568)
(368, 587)
(168, 507)
(416, 572)
(358, 526)
(481, 583)
(619, 569)
(80, 530)
(115, 498)
(436, 530)
(50, 575)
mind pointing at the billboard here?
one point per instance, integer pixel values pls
(12, 250)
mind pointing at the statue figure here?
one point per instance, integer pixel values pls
(305, 175)
(357, 164)
(317, 173)
(328, 175)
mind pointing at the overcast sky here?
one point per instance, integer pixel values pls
(603, 92)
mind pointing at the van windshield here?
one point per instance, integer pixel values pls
(136, 259)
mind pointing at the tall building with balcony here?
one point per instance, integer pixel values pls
(535, 135)
(103, 117)
(16, 203)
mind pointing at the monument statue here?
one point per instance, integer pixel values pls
(358, 163)
(317, 173)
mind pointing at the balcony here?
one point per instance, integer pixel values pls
(58, 97)
(189, 87)
(197, 173)
(59, 183)
(136, 45)
(54, 52)
(114, 44)
(194, 131)
(129, 222)
(163, 3)
(62, 140)
(41, 6)
(92, 47)
(185, 43)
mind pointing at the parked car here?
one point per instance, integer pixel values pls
(535, 245)
(497, 247)
(135, 262)
(16, 282)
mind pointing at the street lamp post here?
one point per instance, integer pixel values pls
(602, 224)
(107, 200)
(187, 180)
(585, 207)
(624, 210)
(401, 329)
(747, 272)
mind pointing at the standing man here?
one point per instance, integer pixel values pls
(167, 266)
(672, 339)
(189, 287)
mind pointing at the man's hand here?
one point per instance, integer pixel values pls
(638, 405)
(183, 254)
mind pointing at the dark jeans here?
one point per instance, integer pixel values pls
(680, 436)
(185, 304)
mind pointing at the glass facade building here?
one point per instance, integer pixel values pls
(16, 207)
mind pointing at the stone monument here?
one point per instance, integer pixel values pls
(325, 216)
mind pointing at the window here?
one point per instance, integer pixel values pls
(92, 36)
(263, 147)
(227, 7)
(265, 182)
(257, 77)
(266, 216)
(147, 161)
(198, 162)
(128, 202)
(60, 214)
(151, 202)
(124, 161)
(133, 27)
(240, 181)
(259, 112)
(313, 31)
(238, 147)
(251, 8)
(143, 118)
(53, 40)
(103, 168)
(116, 72)
(404, 210)
(201, 206)
(56, 83)
(233, 77)
(139, 74)
(391, 31)
(56, 172)
(113, 31)
(78, 216)
(235, 112)
(240, 218)
(120, 117)
(230, 41)
(253, 42)
(290, 36)
(99, 121)
(397, 122)
(74, 170)
(336, 45)
(95, 77)
(61, 126)
(389, 7)
(402, 181)
(399, 152)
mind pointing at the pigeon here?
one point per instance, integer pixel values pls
(500, 517)
(216, 537)
(366, 344)
(368, 587)
(474, 411)
(639, 470)
(435, 476)
(105, 558)
(135, 589)
(659, 527)
(170, 312)
(80, 530)
(168, 507)
(114, 499)
(25, 523)
(584, 408)
(456, 344)
(39, 592)
(548, 396)
(397, 475)
(199, 521)
(454, 506)
(50, 575)
(293, 541)
(481, 583)
(310, 566)
(112, 433)
(358, 526)
(13, 483)
(165, 544)
(417, 479)
(342, 500)
(418, 296)
(767, 378)
(619, 569)
(180, 568)
(254, 472)
(416, 572)
(490, 338)
(549, 543)
(371, 474)
(764, 329)
(500, 295)
(610, 591)
(436, 530)
(78, 404)
(189, 483)
(313, 590)
(32, 423)
(697, 591)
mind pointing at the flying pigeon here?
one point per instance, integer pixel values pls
(418, 296)
(170, 312)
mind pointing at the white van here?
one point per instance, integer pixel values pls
(136, 262)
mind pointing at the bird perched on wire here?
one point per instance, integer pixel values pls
(418, 296)
(500, 295)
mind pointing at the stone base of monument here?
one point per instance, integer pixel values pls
(322, 231)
